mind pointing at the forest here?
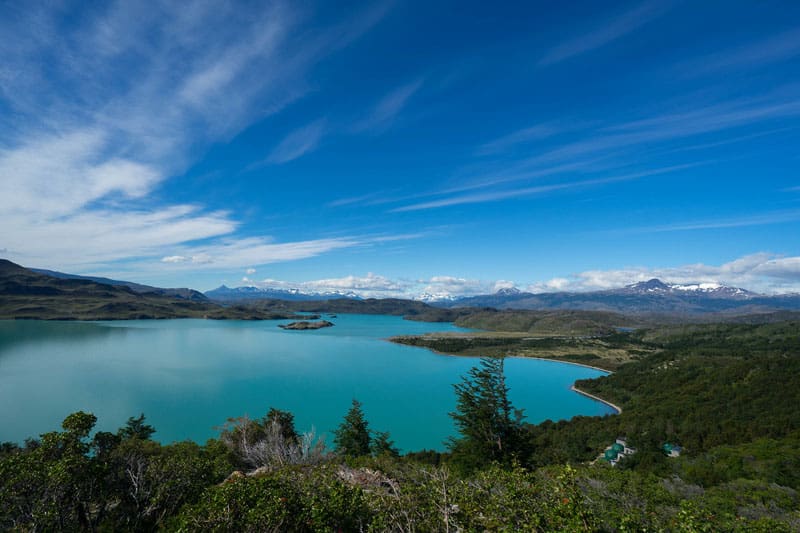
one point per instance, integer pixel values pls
(726, 393)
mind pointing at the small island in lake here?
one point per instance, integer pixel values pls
(305, 324)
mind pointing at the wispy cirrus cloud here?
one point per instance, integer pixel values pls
(350, 200)
(387, 108)
(493, 196)
(84, 155)
(227, 252)
(610, 148)
(306, 139)
(781, 47)
(515, 138)
(761, 219)
(711, 118)
(236, 253)
(607, 32)
(297, 143)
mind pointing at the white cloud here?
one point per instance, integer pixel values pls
(59, 174)
(557, 284)
(503, 284)
(446, 286)
(377, 286)
(370, 283)
(369, 286)
(760, 272)
(236, 253)
(102, 236)
(250, 271)
(297, 143)
(783, 268)
(82, 156)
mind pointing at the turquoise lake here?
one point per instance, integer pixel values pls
(189, 376)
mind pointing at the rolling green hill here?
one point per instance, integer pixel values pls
(25, 294)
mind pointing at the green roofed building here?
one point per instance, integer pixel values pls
(617, 451)
(672, 450)
(610, 455)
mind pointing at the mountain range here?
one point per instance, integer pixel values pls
(186, 294)
(647, 297)
(236, 294)
(37, 293)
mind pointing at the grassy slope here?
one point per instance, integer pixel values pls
(587, 337)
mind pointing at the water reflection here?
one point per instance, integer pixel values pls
(14, 333)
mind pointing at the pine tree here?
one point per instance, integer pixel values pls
(489, 425)
(351, 438)
(135, 428)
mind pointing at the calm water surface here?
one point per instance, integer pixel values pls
(189, 376)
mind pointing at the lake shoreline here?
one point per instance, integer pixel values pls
(573, 388)
(617, 408)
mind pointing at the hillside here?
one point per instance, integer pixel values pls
(25, 294)
(184, 293)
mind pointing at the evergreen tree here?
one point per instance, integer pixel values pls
(285, 421)
(136, 428)
(382, 444)
(351, 438)
(490, 427)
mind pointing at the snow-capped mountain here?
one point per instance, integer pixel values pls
(656, 286)
(653, 296)
(249, 292)
(509, 291)
(429, 297)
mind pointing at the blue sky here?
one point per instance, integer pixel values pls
(395, 148)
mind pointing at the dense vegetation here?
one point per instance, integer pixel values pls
(727, 393)
(543, 323)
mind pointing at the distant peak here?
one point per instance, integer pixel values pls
(651, 284)
(508, 291)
